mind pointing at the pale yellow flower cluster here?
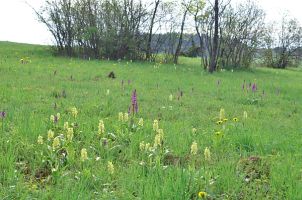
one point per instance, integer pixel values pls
(194, 148)
(194, 130)
(123, 117)
(40, 139)
(101, 127)
(171, 97)
(126, 117)
(69, 134)
(155, 125)
(207, 154)
(141, 122)
(144, 146)
(74, 112)
(158, 139)
(84, 155)
(56, 143)
(66, 126)
(52, 117)
(50, 135)
(110, 167)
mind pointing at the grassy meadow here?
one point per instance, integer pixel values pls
(229, 135)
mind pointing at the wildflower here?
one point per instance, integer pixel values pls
(57, 117)
(160, 131)
(171, 97)
(225, 120)
(147, 146)
(84, 154)
(141, 122)
(74, 112)
(194, 130)
(50, 134)
(221, 114)
(56, 143)
(126, 117)
(194, 148)
(107, 92)
(2, 114)
(219, 122)
(52, 118)
(155, 125)
(219, 134)
(235, 119)
(120, 116)
(101, 127)
(142, 146)
(69, 134)
(40, 140)
(244, 115)
(134, 102)
(66, 125)
(207, 154)
(110, 167)
(254, 87)
(202, 194)
(157, 140)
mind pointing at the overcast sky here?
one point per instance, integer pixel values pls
(18, 23)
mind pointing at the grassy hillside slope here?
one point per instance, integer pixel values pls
(257, 157)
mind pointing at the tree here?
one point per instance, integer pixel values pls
(149, 50)
(243, 33)
(178, 48)
(214, 50)
(283, 43)
(196, 8)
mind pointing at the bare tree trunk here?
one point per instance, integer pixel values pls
(177, 52)
(149, 53)
(214, 51)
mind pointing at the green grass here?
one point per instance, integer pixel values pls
(255, 158)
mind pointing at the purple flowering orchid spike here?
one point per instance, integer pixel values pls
(218, 82)
(56, 119)
(254, 87)
(181, 93)
(2, 114)
(134, 102)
